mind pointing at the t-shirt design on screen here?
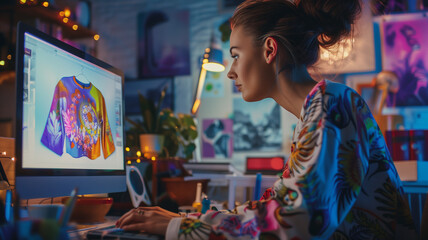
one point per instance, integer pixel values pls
(78, 116)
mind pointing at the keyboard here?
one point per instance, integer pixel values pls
(112, 232)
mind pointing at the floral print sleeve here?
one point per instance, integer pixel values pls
(338, 183)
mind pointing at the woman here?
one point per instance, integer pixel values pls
(339, 182)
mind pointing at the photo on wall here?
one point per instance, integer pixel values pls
(256, 125)
(163, 43)
(217, 138)
(404, 51)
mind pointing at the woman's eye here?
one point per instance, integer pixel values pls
(234, 56)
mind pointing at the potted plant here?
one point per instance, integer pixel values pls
(174, 135)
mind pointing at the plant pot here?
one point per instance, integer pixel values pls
(151, 143)
(183, 191)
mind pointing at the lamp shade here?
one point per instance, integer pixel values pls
(213, 60)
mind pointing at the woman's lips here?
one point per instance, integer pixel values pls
(238, 86)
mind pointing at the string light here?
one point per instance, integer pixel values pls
(2, 62)
(9, 57)
(138, 153)
(61, 13)
(22, 1)
(45, 4)
(96, 37)
(65, 20)
(127, 149)
(138, 160)
(129, 162)
(75, 27)
(67, 12)
(153, 158)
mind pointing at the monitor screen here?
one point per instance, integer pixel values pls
(69, 120)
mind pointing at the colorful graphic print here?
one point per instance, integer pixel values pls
(78, 117)
(339, 182)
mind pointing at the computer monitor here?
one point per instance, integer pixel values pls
(69, 120)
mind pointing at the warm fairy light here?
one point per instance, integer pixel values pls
(61, 13)
(67, 12)
(127, 149)
(96, 37)
(9, 57)
(4, 153)
(207, 50)
(75, 27)
(45, 4)
(22, 1)
(2, 63)
(129, 162)
(138, 160)
(153, 158)
(65, 20)
(13, 159)
(138, 153)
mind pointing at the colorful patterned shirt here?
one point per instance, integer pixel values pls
(78, 117)
(339, 182)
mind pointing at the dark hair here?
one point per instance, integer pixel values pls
(300, 27)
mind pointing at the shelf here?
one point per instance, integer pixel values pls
(50, 16)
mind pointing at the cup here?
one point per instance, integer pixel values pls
(45, 211)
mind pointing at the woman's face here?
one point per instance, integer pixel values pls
(250, 71)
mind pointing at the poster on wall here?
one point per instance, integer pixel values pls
(163, 43)
(256, 125)
(217, 138)
(215, 81)
(405, 52)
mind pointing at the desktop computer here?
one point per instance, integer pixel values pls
(69, 120)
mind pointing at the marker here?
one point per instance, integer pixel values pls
(68, 208)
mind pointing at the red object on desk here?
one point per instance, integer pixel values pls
(266, 165)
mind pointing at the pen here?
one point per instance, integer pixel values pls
(68, 208)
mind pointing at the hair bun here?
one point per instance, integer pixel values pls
(331, 18)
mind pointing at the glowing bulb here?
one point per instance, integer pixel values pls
(4, 153)
(129, 162)
(61, 13)
(127, 149)
(9, 57)
(22, 1)
(45, 4)
(2, 62)
(138, 160)
(13, 159)
(96, 37)
(67, 12)
(75, 27)
(153, 158)
(139, 154)
(65, 20)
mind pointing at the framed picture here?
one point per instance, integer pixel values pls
(256, 125)
(151, 89)
(405, 52)
(217, 138)
(163, 43)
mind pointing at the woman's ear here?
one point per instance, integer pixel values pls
(270, 49)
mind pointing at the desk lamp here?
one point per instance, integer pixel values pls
(212, 61)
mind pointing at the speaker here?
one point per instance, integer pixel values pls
(137, 188)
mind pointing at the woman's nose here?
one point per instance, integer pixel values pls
(231, 75)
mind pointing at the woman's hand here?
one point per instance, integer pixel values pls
(152, 220)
